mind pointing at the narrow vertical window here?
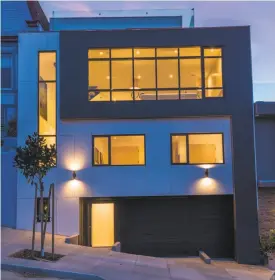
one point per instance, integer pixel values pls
(47, 97)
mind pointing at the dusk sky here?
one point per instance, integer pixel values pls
(259, 15)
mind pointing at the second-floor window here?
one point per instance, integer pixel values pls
(197, 148)
(118, 150)
(138, 74)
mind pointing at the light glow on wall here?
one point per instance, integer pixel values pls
(206, 186)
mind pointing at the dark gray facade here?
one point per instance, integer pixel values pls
(236, 103)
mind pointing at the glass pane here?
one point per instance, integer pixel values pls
(190, 51)
(101, 151)
(47, 108)
(50, 140)
(168, 94)
(99, 53)
(122, 74)
(47, 66)
(166, 52)
(145, 95)
(6, 71)
(145, 74)
(213, 72)
(144, 52)
(99, 75)
(205, 148)
(179, 154)
(127, 150)
(167, 73)
(122, 95)
(214, 92)
(121, 53)
(98, 95)
(212, 52)
(190, 73)
(191, 94)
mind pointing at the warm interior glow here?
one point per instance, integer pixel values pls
(125, 150)
(127, 68)
(205, 148)
(179, 149)
(47, 97)
(102, 224)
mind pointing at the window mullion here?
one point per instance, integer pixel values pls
(202, 73)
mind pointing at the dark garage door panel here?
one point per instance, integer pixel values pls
(178, 226)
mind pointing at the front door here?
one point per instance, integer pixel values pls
(102, 224)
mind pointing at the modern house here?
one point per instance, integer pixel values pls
(154, 130)
(16, 17)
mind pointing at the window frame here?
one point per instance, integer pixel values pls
(156, 58)
(38, 100)
(109, 136)
(187, 147)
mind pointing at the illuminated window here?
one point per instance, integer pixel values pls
(204, 148)
(145, 75)
(122, 74)
(179, 153)
(213, 72)
(119, 150)
(167, 71)
(47, 97)
(190, 51)
(167, 52)
(99, 53)
(190, 73)
(144, 52)
(136, 74)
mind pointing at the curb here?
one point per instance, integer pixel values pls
(49, 272)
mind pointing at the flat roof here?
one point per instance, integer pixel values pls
(265, 109)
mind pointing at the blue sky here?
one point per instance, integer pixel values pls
(259, 15)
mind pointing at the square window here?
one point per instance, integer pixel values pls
(6, 71)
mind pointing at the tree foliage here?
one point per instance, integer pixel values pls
(35, 159)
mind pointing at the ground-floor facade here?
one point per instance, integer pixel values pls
(160, 226)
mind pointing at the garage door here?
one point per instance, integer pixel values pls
(177, 226)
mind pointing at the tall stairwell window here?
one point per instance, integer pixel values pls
(47, 96)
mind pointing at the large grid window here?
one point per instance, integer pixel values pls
(200, 148)
(154, 74)
(47, 97)
(118, 150)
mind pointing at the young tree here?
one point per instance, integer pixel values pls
(34, 161)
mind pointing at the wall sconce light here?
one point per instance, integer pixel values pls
(206, 173)
(74, 175)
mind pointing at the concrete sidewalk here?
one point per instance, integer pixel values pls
(118, 266)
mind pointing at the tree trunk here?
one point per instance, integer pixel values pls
(41, 214)
(34, 219)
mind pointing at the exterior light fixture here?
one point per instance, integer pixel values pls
(74, 175)
(206, 173)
